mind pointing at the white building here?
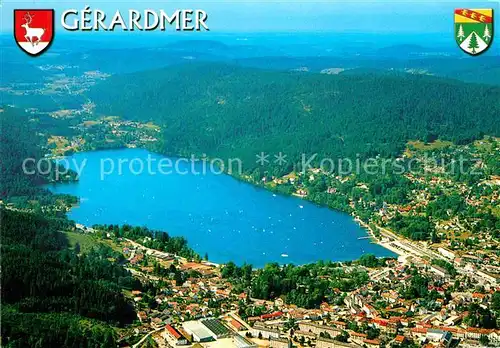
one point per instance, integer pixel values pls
(241, 342)
(328, 343)
(443, 337)
(317, 329)
(279, 343)
(264, 332)
(489, 277)
(439, 271)
(447, 253)
(198, 331)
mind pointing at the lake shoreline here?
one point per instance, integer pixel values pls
(259, 188)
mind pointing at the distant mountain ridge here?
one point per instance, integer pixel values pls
(117, 58)
(404, 49)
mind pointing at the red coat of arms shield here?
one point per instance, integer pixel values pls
(34, 30)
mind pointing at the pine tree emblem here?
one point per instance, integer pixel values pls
(461, 34)
(474, 30)
(473, 43)
(486, 34)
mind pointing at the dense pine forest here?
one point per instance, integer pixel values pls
(224, 110)
(52, 296)
(20, 140)
(49, 289)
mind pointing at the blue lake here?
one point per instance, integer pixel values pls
(228, 219)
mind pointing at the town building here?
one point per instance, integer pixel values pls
(276, 342)
(175, 335)
(447, 253)
(489, 277)
(264, 332)
(198, 331)
(305, 334)
(317, 329)
(329, 343)
(440, 336)
(241, 342)
(440, 271)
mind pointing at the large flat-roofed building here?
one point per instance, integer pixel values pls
(328, 343)
(436, 335)
(218, 329)
(489, 277)
(440, 271)
(264, 332)
(317, 329)
(275, 342)
(306, 335)
(242, 342)
(198, 331)
(447, 253)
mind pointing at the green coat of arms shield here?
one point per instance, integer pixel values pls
(474, 30)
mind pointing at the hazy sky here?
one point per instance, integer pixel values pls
(248, 16)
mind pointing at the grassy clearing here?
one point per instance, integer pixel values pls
(90, 123)
(86, 241)
(417, 145)
(421, 146)
(112, 245)
(110, 118)
(151, 125)
(495, 211)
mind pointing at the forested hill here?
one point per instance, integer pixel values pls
(232, 111)
(20, 140)
(51, 295)
(17, 142)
